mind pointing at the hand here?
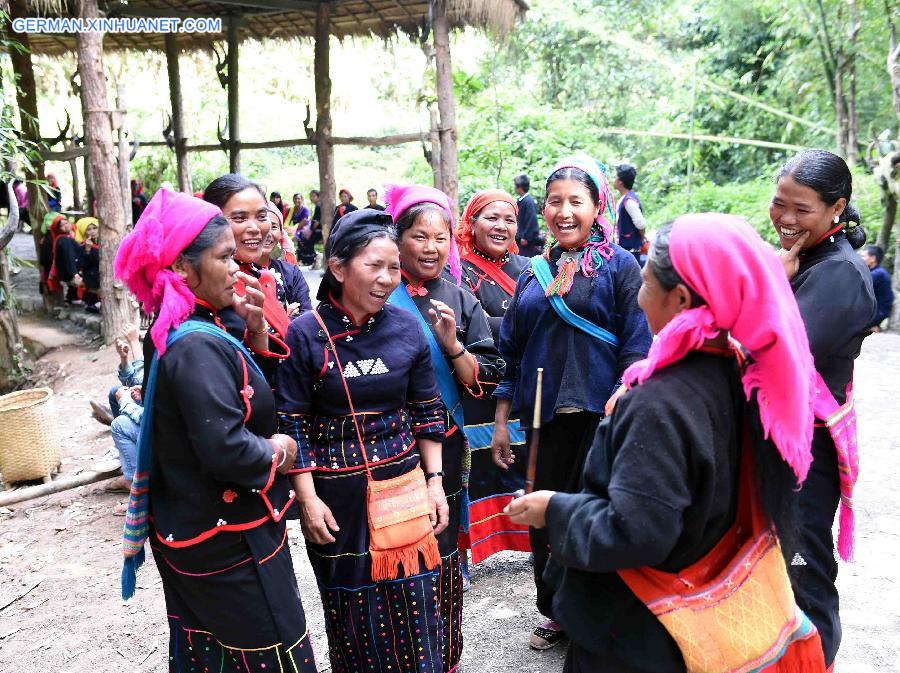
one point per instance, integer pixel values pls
(790, 259)
(501, 454)
(444, 326)
(136, 393)
(440, 510)
(317, 521)
(288, 450)
(130, 332)
(77, 280)
(121, 393)
(293, 309)
(530, 510)
(250, 306)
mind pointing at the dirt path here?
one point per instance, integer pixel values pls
(65, 549)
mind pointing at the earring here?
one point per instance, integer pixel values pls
(836, 219)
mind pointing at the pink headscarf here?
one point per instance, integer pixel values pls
(400, 198)
(168, 225)
(725, 261)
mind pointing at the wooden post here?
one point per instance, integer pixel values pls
(124, 154)
(116, 304)
(234, 133)
(435, 138)
(446, 104)
(181, 155)
(76, 178)
(324, 148)
(26, 100)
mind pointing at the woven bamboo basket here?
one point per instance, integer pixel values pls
(29, 435)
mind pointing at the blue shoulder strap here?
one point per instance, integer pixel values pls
(446, 382)
(542, 272)
(191, 326)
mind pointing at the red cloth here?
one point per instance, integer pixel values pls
(747, 293)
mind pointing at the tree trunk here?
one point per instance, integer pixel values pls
(446, 103)
(234, 132)
(13, 358)
(889, 203)
(840, 108)
(852, 117)
(181, 155)
(124, 155)
(116, 305)
(26, 99)
(324, 148)
(76, 179)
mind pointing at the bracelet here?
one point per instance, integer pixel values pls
(283, 458)
(458, 355)
(264, 330)
(432, 475)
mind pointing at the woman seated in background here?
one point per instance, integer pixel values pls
(701, 455)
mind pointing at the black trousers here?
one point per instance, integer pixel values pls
(562, 448)
(813, 582)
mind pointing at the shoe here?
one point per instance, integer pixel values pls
(121, 509)
(466, 579)
(101, 413)
(118, 485)
(547, 635)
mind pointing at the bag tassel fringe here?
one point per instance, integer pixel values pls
(384, 563)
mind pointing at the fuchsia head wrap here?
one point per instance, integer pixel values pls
(400, 198)
(168, 225)
(746, 292)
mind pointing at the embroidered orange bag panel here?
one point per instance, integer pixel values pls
(733, 611)
(400, 531)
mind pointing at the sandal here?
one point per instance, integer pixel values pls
(118, 485)
(547, 635)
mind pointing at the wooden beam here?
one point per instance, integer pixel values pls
(63, 483)
(379, 141)
(278, 5)
(115, 9)
(324, 146)
(446, 103)
(181, 156)
(234, 133)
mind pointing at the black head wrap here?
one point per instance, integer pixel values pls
(347, 234)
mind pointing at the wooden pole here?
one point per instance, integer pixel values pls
(63, 483)
(435, 138)
(124, 154)
(234, 133)
(76, 178)
(116, 306)
(446, 104)
(324, 146)
(181, 156)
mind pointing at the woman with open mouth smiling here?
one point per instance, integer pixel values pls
(243, 204)
(575, 314)
(833, 288)
(486, 235)
(463, 355)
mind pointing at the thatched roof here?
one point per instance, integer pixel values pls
(284, 19)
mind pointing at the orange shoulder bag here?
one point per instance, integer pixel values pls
(398, 509)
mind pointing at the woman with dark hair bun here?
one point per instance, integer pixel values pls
(574, 313)
(359, 396)
(833, 288)
(210, 489)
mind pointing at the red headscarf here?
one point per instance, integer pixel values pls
(746, 292)
(465, 234)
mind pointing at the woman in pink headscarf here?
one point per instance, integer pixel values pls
(210, 490)
(463, 355)
(708, 436)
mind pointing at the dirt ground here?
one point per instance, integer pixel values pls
(64, 550)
